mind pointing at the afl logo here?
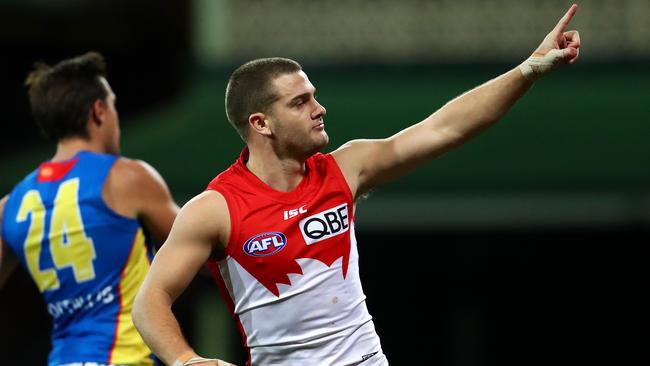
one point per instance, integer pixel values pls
(265, 244)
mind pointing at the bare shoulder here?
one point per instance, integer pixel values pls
(207, 208)
(129, 171)
(131, 183)
(344, 155)
(205, 217)
(355, 157)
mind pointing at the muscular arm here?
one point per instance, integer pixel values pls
(8, 261)
(366, 163)
(135, 189)
(200, 228)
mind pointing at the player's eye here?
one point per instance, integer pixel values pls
(299, 102)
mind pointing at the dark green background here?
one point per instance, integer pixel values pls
(582, 128)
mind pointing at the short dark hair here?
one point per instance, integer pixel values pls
(250, 89)
(62, 96)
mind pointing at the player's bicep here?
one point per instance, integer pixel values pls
(421, 143)
(196, 232)
(175, 265)
(367, 163)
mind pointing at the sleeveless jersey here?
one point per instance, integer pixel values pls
(87, 261)
(290, 273)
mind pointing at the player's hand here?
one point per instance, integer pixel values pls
(558, 47)
(567, 42)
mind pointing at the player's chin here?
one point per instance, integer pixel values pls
(317, 144)
(322, 139)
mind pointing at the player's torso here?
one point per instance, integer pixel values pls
(291, 270)
(86, 260)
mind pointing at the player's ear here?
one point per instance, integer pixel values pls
(97, 112)
(259, 123)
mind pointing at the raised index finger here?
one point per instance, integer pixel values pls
(566, 19)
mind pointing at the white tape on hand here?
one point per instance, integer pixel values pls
(537, 64)
(197, 360)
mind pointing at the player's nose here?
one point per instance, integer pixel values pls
(319, 112)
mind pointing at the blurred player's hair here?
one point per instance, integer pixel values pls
(62, 96)
(250, 89)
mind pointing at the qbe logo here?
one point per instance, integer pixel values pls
(265, 244)
(325, 224)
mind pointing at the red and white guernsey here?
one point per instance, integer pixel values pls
(290, 273)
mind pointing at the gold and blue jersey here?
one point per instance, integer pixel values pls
(87, 261)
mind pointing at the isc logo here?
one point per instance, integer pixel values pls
(262, 245)
(294, 212)
(325, 224)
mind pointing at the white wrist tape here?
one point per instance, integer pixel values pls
(195, 360)
(192, 361)
(538, 65)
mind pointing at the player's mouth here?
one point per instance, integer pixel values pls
(320, 126)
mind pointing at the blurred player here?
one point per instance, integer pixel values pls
(277, 227)
(77, 223)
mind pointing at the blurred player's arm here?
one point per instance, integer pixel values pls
(8, 260)
(202, 224)
(135, 189)
(366, 163)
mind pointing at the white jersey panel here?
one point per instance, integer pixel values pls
(321, 318)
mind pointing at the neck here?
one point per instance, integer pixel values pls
(68, 148)
(280, 174)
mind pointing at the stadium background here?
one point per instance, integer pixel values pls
(527, 245)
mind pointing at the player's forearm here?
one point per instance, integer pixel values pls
(158, 327)
(480, 107)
